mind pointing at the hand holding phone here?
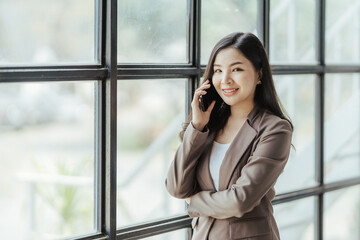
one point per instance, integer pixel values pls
(202, 105)
(208, 98)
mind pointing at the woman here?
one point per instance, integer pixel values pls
(233, 152)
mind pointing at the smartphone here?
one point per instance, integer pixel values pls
(206, 100)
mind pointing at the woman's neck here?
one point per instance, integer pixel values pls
(240, 112)
(236, 120)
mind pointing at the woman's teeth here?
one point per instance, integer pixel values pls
(229, 91)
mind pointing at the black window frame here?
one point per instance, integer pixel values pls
(108, 72)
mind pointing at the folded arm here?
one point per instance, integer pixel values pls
(181, 178)
(258, 176)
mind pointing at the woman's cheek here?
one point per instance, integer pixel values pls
(217, 82)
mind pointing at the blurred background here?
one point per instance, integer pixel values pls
(47, 129)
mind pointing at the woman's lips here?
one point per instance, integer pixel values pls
(229, 91)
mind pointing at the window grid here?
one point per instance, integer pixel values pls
(107, 72)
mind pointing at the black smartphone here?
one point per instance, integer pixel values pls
(206, 100)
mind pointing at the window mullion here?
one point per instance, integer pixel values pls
(264, 22)
(109, 123)
(319, 118)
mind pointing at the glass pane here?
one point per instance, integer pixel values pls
(292, 31)
(342, 214)
(342, 31)
(46, 32)
(342, 126)
(220, 18)
(153, 31)
(47, 160)
(297, 94)
(174, 235)
(295, 219)
(150, 115)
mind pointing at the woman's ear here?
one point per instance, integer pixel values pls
(260, 74)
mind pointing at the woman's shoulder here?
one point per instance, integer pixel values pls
(269, 122)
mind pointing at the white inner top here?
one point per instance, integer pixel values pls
(218, 152)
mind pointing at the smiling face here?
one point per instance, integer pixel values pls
(235, 78)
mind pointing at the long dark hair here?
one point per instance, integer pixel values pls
(265, 94)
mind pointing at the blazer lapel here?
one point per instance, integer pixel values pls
(235, 153)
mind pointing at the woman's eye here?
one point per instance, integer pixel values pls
(237, 69)
(217, 70)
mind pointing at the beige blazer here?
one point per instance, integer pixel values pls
(241, 209)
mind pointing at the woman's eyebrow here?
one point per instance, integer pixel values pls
(232, 64)
(235, 63)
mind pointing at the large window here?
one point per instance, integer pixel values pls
(43, 32)
(93, 95)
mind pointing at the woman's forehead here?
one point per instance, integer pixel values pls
(229, 56)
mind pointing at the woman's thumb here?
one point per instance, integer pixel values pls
(210, 108)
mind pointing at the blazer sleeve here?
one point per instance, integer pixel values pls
(181, 177)
(258, 176)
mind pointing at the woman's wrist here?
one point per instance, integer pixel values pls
(198, 126)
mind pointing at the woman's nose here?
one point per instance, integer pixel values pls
(226, 79)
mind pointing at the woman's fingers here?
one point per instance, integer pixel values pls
(197, 101)
(201, 90)
(205, 85)
(198, 92)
